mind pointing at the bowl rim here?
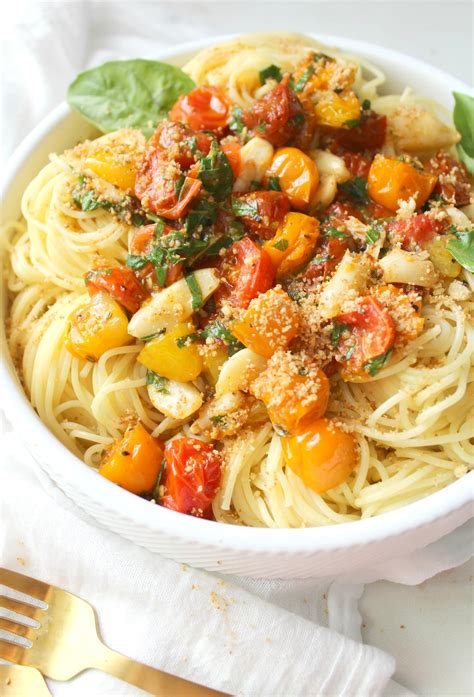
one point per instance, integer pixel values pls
(169, 523)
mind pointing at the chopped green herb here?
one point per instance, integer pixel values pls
(322, 259)
(218, 420)
(300, 85)
(246, 208)
(281, 245)
(297, 119)
(334, 232)
(357, 189)
(462, 249)
(138, 220)
(352, 123)
(218, 330)
(96, 272)
(274, 183)
(159, 382)
(273, 72)
(203, 212)
(216, 173)
(372, 235)
(149, 337)
(136, 262)
(179, 185)
(349, 352)
(261, 128)
(366, 105)
(182, 341)
(235, 123)
(195, 290)
(373, 366)
(338, 328)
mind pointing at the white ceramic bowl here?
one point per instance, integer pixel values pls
(225, 548)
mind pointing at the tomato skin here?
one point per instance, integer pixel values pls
(273, 116)
(205, 108)
(332, 249)
(175, 138)
(338, 212)
(368, 135)
(358, 165)
(373, 332)
(192, 475)
(321, 454)
(391, 180)
(120, 282)
(134, 460)
(418, 229)
(231, 150)
(458, 189)
(270, 209)
(247, 271)
(297, 174)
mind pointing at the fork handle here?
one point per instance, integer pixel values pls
(147, 678)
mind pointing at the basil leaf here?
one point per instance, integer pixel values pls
(195, 289)
(128, 94)
(372, 235)
(352, 123)
(246, 207)
(157, 381)
(463, 117)
(366, 105)
(357, 189)
(334, 232)
(300, 85)
(462, 249)
(96, 272)
(274, 184)
(273, 71)
(281, 245)
(136, 262)
(338, 328)
(182, 341)
(216, 173)
(235, 123)
(466, 159)
(218, 330)
(203, 212)
(373, 366)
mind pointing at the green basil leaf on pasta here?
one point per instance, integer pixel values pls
(272, 72)
(357, 189)
(128, 94)
(195, 290)
(462, 249)
(463, 117)
(373, 366)
(216, 173)
(157, 381)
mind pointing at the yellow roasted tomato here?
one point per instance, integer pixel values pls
(116, 157)
(297, 175)
(133, 462)
(172, 355)
(96, 327)
(293, 244)
(322, 454)
(337, 110)
(391, 181)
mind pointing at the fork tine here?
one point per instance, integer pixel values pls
(12, 652)
(24, 584)
(17, 606)
(23, 630)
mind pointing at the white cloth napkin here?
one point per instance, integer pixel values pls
(244, 636)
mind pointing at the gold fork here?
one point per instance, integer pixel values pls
(65, 640)
(22, 680)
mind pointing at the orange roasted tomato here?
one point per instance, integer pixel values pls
(391, 181)
(120, 282)
(205, 108)
(261, 211)
(297, 175)
(322, 454)
(269, 324)
(133, 462)
(192, 476)
(293, 244)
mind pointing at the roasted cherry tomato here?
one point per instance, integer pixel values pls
(192, 475)
(358, 165)
(418, 229)
(231, 150)
(262, 211)
(322, 454)
(326, 258)
(391, 181)
(133, 462)
(277, 117)
(160, 187)
(293, 244)
(297, 175)
(369, 134)
(203, 109)
(180, 143)
(372, 335)
(337, 110)
(120, 282)
(454, 184)
(246, 270)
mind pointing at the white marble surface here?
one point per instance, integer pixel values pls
(428, 628)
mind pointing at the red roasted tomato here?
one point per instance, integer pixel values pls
(454, 184)
(179, 141)
(277, 117)
(418, 229)
(120, 282)
(204, 108)
(192, 476)
(247, 271)
(262, 211)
